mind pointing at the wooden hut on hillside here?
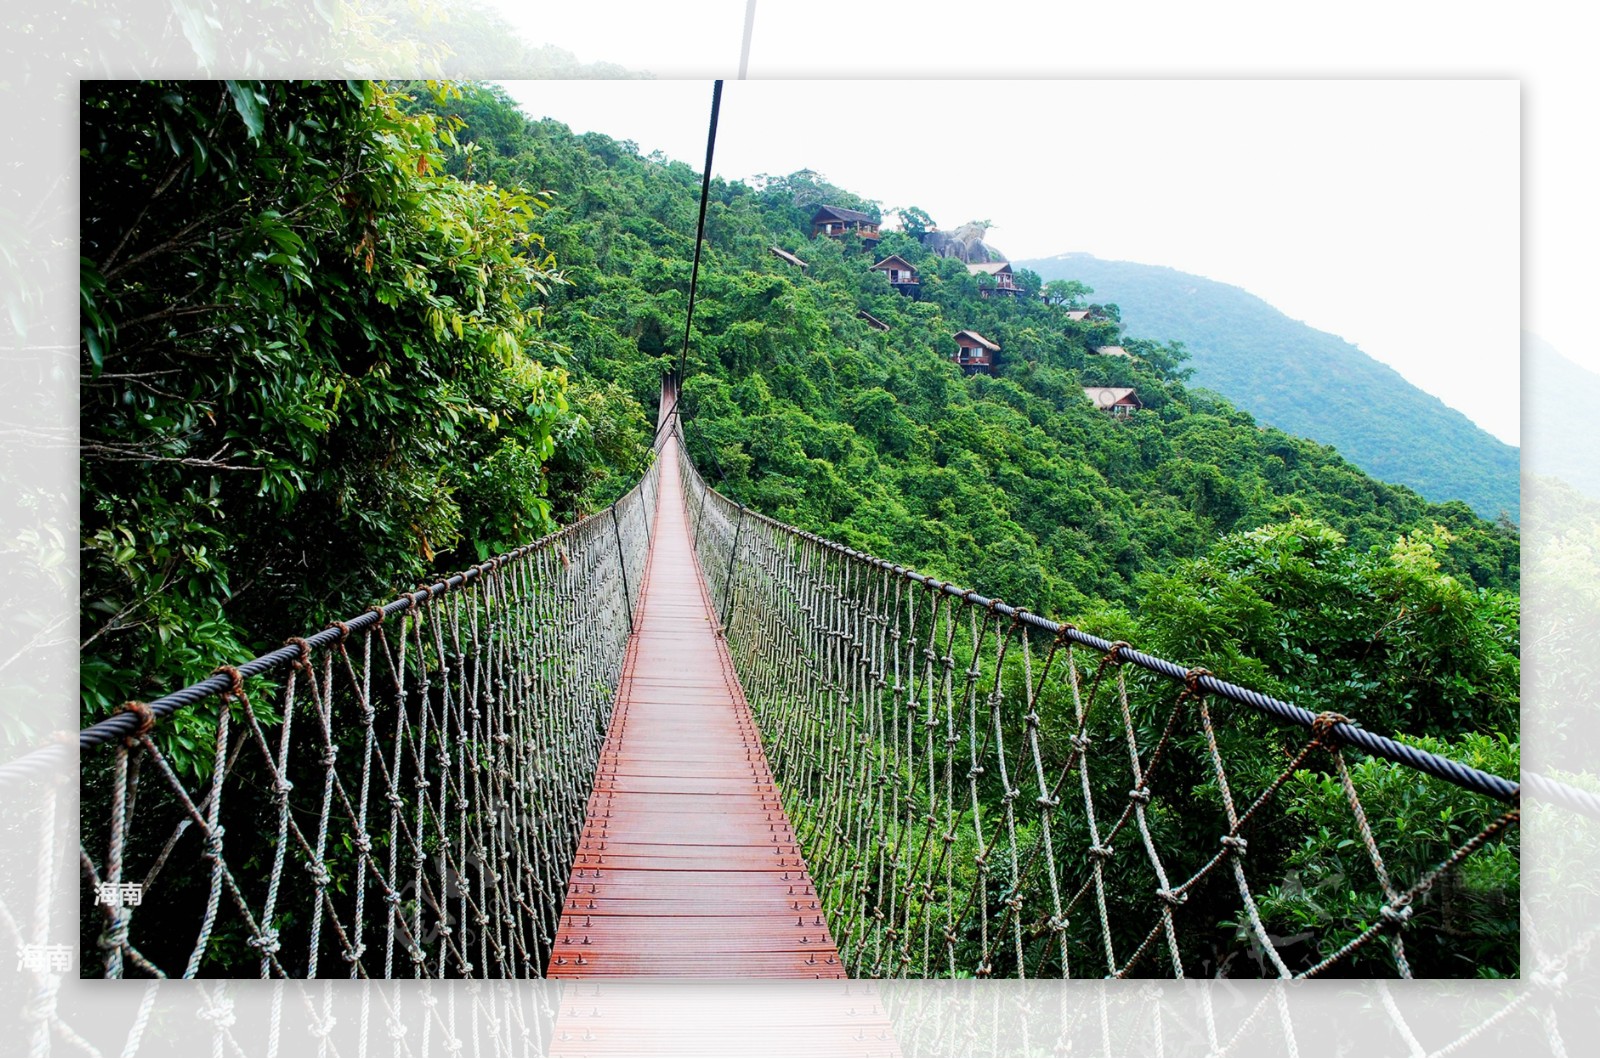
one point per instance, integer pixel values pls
(835, 221)
(1004, 281)
(1120, 401)
(974, 352)
(901, 275)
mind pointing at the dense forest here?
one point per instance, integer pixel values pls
(1308, 382)
(337, 337)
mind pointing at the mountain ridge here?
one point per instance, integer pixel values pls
(1278, 369)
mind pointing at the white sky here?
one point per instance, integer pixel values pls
(1547, 47)
(1384, 212)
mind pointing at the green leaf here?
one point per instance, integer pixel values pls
(247, 103)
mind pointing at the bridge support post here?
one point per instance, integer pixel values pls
(622, 564)
(733, 554)
(647, 510)
(700, 514)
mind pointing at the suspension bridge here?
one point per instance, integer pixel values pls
(678, 738)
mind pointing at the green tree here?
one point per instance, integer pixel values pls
(1066, 293)
(916, 222)
(311, 365)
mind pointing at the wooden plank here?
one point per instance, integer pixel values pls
(687, 867)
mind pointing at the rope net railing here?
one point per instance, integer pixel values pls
(982, 792)
(399, 795)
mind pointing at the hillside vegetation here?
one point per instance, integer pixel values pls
(1557, 440)
(1307, 382)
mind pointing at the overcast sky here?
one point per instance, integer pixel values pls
(1385, 212)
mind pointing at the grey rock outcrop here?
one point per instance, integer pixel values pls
(964, 243)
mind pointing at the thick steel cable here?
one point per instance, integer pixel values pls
(699, 241)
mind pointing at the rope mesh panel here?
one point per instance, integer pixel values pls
(404, 799)
(979, 796)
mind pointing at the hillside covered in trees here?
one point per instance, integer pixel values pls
(353, 335)
(1307, 382)
(807, 412)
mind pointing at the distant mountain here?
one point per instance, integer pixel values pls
(1558, 433)
(1306, 381)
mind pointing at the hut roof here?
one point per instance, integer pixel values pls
(872, 321)
(839, 213)
(895, 261)
(979, 339)
(787, 256)
(1106, 396)
(992, 268)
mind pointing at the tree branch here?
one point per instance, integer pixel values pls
(131, 454)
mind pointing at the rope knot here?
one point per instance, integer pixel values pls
(282, 787)
(222, 1014)
(379, 611)
(319, 875)
(1235, 843)
(1099, 852)
(1114, 656)
(213, 843)
(1191, 678)
(235, 682)
(1172, 897)
(146, 716)
(266, 941)
(1064, 632)
(343, 627)
(304, 647)
(1395, 915)
(1140, 795)
(1322, 725)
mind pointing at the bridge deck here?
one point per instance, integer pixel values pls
(688, 865)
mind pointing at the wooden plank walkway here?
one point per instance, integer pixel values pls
(688, 865)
